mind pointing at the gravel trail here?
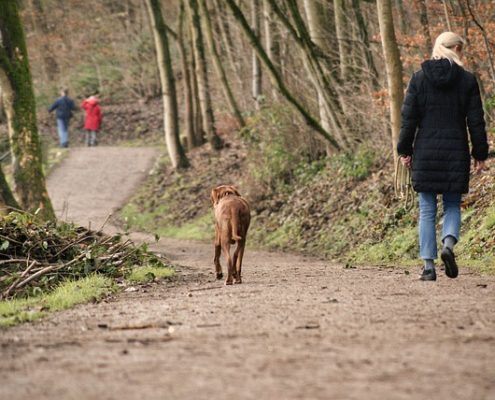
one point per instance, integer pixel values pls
(297, 328)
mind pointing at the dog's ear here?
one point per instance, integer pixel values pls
(214, 196)
(234, 189)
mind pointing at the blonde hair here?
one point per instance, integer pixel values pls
(444, 47)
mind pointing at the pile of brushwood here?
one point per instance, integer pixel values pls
(35, 257)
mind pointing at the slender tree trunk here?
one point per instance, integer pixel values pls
(50, 65)
(15, 79)
(393, 67)
(327, 84)
(169, 94)
(228, 45)
(342, 30)
(447, 17)
(275, 75)
(202, 77)
(485, 41)
(256, 65)
(186, 79)
(271, 41)
(423, 18)
(227, 91)
(365, 44)
(399, 5)
(197, 116)
(317, 25)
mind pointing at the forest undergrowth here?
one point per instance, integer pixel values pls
(341, 208)
(48, 266)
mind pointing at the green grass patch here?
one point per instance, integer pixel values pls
(200, 228)
(66, 295)
(149, 274)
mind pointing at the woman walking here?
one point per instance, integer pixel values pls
(442, 103)
(92, 122)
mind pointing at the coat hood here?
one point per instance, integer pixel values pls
(441, 73)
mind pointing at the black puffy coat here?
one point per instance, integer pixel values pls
(442, 98)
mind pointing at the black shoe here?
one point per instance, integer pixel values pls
(448, 258)
(428, 275)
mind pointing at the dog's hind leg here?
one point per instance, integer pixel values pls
(216, 259)
(238, 254)
(230, 265)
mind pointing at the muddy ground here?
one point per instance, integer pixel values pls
(297, 328)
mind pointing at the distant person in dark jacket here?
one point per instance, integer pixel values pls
(92, 122)
(64, 107)
(442, 101)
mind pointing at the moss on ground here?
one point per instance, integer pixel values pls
(66, 295)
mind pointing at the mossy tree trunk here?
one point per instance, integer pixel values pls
(169, 94)
(20, 108)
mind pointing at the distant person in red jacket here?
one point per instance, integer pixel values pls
(92, 122)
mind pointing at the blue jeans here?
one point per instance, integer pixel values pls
(427, 221)
(63, 131)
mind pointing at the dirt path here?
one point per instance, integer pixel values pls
(298, 328)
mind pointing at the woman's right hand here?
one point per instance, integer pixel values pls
(479, 166)
(406, 161)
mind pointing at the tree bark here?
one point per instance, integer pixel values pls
(50, 66)
(271, 41)
(16, 82)
(327, 84)
(275, 75)
(256, 65)
(342, 31)
(208, 119)
(393, 67)
(169, 94)
(186, 79)
(423, 18)
(227, 91)
(317, 25)
(365, 44)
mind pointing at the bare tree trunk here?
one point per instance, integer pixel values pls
(399, 5)
(393, 67)
(423, 18)
(317, 26)
(271, 42)
(485, 40)
(15, 79)
(197, 116)
(234, 108)
(327, 84)
(447, 18)
(365, 47)
(275, 75)
(257, 77)
(202, 77)
(342, 30)
(169, 94)
(50, 66)
(186, 79)
(223, 24)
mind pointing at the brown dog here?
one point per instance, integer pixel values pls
(232, 218)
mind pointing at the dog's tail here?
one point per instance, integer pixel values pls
(235, 226)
